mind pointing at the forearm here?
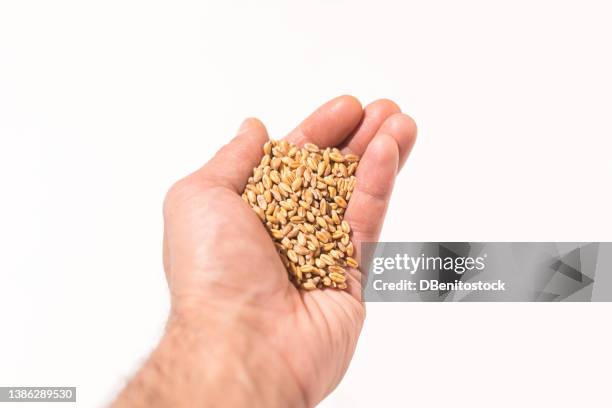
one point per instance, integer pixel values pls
(208, 364)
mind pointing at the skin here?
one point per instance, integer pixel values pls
(239, 334)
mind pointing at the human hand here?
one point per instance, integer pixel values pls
(236, 320)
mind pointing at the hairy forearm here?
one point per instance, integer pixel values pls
(210, 364)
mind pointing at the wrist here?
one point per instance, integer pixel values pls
(207, 359)
(232, 361)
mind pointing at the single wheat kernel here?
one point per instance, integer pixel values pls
(337, 157)
(351, 157)
(301, 194)
(336, 277)
(307, 268)
(345, 227)
(300, 250)
(311, 147)
(340, 201)
(351, 262)
(321, 222)
(260, 213)
(329, 246)
(327, 259)
(309, 285)
(337, 234)
(292, 256)
(257, 174)
(336, 269)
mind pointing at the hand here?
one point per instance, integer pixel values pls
(239, 331)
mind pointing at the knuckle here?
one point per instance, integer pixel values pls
(179, 192)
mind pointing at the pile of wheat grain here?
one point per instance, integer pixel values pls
(301, 194)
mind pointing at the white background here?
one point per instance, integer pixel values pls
(104, 104)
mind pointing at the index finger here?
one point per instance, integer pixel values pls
(330, 124)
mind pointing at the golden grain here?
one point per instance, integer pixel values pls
(308, 268)
(300, 250)
(345, 227)
(340, 201)
(336, 269)
(327, 259)
(336, 156)
(301, 196)
(321, 222)
(351, 262)
(309, 285)
(336, 277)
(292, 256)
(311, 147)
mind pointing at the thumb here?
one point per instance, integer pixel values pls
(234, 163)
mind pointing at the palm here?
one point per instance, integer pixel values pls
(327, 323)
(217, 249)
(227, 236)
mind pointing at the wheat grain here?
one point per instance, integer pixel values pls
(301, 195)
